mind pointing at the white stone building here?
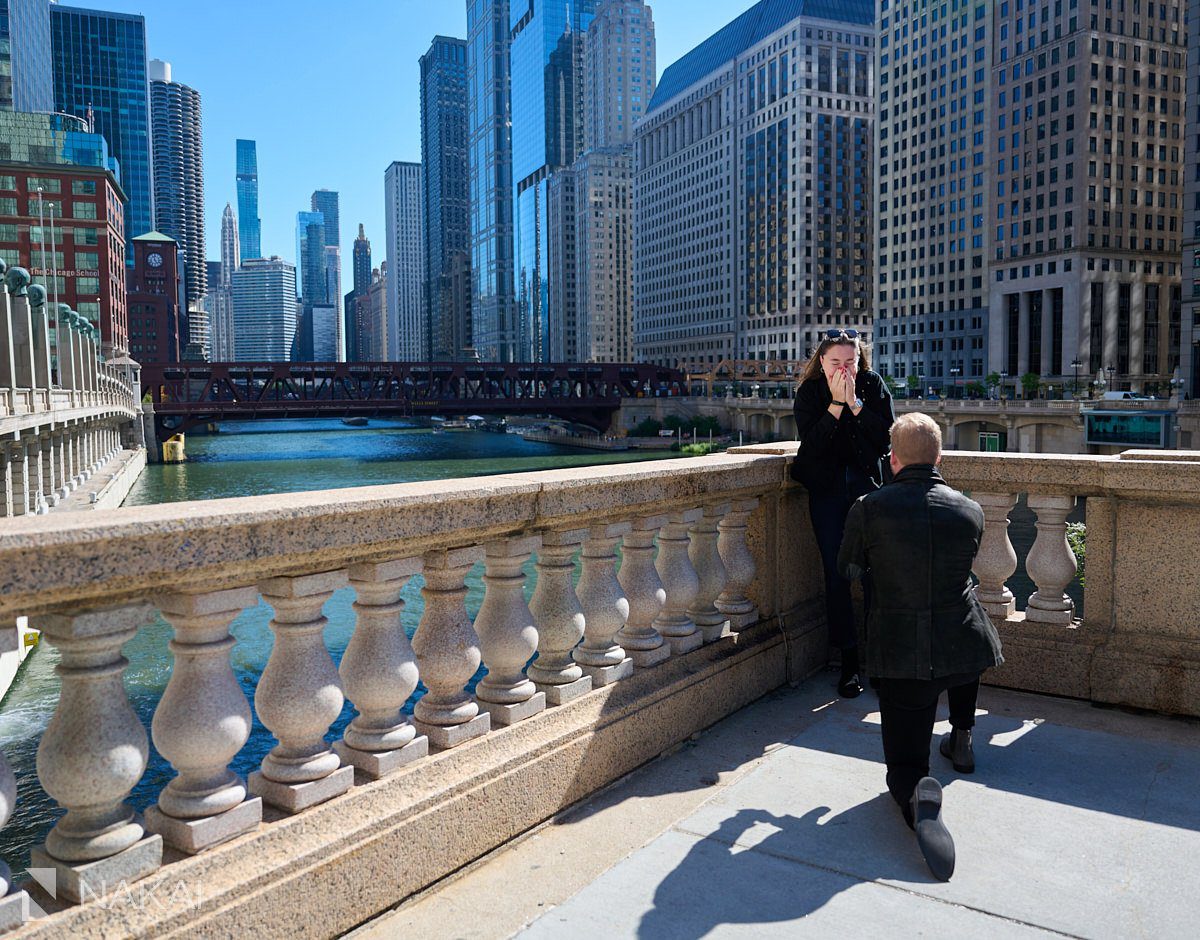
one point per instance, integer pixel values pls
(406, 339)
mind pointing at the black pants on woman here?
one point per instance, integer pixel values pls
(828, 512)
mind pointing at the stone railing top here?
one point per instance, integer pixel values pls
(1155, 476)
(47, 562)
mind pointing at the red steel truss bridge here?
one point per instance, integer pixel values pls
(192, 393)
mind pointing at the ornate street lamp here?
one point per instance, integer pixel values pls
(1075, 364)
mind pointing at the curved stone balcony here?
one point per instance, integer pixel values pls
(716, 602)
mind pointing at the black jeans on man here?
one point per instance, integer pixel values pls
(828, 513)
(907, 708)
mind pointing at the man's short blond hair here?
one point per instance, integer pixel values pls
(916, 439)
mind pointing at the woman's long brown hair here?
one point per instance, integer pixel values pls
(812, 368)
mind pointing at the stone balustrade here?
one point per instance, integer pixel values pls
(716, 600)
(64, 411)
(688, 629)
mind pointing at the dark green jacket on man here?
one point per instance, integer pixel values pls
(917, 537)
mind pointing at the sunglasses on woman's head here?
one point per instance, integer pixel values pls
(839, 334)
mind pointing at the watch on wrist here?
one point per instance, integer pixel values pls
(858, 403)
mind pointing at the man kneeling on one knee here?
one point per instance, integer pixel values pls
(926, 631)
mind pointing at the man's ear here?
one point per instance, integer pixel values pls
(938, 462)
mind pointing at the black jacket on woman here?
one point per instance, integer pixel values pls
(918, 538)
(829, 445)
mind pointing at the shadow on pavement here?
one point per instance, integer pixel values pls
(734, 877)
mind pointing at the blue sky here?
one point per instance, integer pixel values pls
(329, 91)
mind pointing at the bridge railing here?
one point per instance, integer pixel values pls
(50, 360)
(696, 576)
(716, 600)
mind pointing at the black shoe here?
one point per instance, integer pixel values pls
(932, 836)
(850, 686)
(956, 748)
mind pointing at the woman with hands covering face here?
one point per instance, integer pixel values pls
(844, 416)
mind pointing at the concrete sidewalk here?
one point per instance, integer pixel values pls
(776, 822)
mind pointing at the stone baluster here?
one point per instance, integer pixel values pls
(739, 564)
(644, 591)
(1051, 563)
(6, 479)
(50, 478)
(14, 905)
(680, 582)
(605, 607)
(995, 561)
(18, 461)
(379, 672)
(92, 754)
(508, 636)
(559, 618)
(201, 723)
(706, 559)
(299, 696)
(447, 651)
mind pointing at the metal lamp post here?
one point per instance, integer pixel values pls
(955, 372)
(1075, 364)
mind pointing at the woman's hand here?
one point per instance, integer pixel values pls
(844, 387)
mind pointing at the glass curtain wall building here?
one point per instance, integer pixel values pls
(546, 59)
(249, 226)
(446, 204)
(26, 62)
(490, 180)
(100, 76)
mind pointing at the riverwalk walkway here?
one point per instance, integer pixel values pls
(1079, 821)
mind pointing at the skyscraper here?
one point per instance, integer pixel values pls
(354, 320)
(362, 261)
(1087, 214)
(753, 182)
(325, 201)
(178, 172)
(1038, 223)
(100, 75)
(264, 305)
(220, 292)
(591, 205)
(406, 338)
(249, 226)
(546, 59)
(445, 200)
(26, 62)
(489, 168)
(933, 193)
(310, 256)
(1190, 318)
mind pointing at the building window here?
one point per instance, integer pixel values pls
(84, 210)
(83, 187)
(46, 184)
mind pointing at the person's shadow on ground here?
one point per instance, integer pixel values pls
(786, 876)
